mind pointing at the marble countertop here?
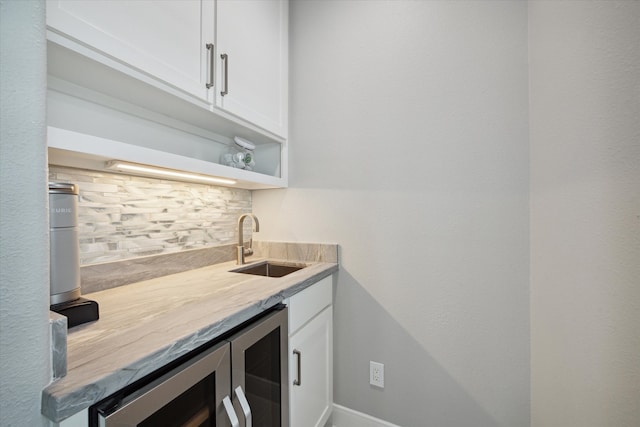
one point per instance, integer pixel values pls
(145, 325)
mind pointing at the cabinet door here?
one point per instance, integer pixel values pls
(252, 54)
(311, 371)
(164, 39)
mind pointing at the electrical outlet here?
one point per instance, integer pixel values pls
(376, 374)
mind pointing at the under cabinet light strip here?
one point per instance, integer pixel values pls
(164, 173)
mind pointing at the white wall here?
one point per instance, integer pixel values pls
(24, 247)
(409, 148)
(585, 213)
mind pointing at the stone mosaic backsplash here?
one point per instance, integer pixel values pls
(122, 217)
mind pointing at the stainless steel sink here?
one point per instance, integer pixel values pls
(269, 269)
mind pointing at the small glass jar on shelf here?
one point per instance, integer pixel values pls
(240, 155)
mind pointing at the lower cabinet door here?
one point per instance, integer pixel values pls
(311, 371)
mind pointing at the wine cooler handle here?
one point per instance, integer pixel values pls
(298, 381)
(244, 405)
(228, 406)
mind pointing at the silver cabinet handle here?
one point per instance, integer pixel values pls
(210, 50)
(228, 406)
(225, 68)
(298, 381)
(244, 405)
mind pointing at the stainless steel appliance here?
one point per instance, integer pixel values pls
(241, 381)
(64, 249)
(64, 255)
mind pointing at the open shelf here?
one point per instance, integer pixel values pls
(73, 149)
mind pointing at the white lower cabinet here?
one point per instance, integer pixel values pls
(310, 367)
(311, 355)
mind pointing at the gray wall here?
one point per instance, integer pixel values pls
(24, 247)
(409, 148)
(585, 213)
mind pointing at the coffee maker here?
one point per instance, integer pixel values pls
(64, 277)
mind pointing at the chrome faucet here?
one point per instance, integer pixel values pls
(241, 250)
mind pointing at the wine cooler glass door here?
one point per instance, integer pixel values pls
(260, 373)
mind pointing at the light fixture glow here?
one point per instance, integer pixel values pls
(161, 172)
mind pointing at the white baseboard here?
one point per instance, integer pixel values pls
(345, 417)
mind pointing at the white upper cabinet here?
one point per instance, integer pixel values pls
(164, 39)
(252, 53)
(208, 69)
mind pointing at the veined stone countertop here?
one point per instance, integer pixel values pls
(146, 325)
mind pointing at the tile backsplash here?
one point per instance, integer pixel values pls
(122, 217)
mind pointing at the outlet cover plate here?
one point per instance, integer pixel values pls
(376, 374)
